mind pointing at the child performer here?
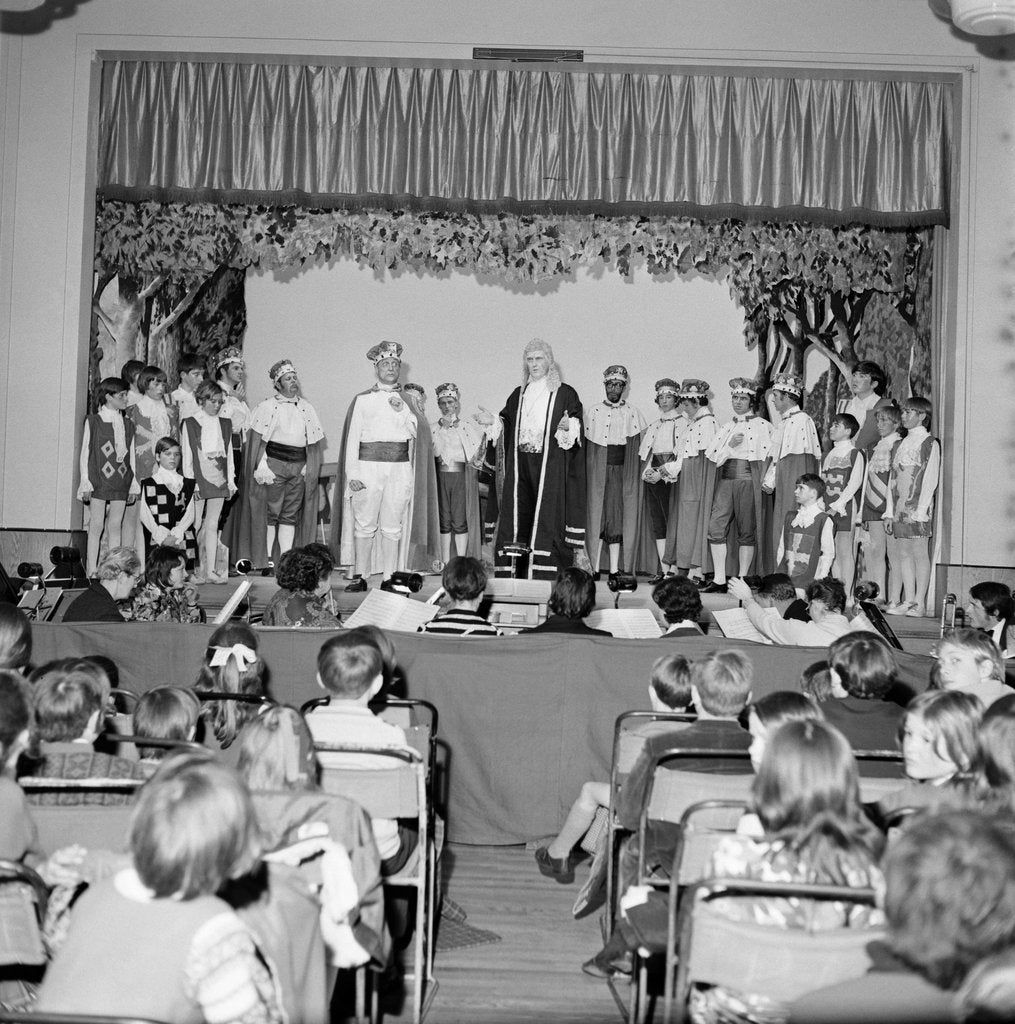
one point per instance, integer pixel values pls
(874, 501)
(129, 372)
(185, 397)
(807, 547)
(153, 419)
(107, 483)
(167, 503)
(795, 450)
(739, 452)
(842, 471)
(206, 461)
(916, 466)
(660, 443)
(867, 385)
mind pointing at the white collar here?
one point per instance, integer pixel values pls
(807, 514)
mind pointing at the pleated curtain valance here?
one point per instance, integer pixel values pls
(474, 137)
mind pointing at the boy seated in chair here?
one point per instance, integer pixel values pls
(68, 719)
(352, 673)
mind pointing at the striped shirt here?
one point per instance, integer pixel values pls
(459, 622)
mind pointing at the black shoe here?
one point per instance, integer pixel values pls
(715, 588)
(559, 868)
(388, 586)
(702, 582)
(612, 578)
(658, 578)
(356, 586)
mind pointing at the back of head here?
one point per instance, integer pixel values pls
(165, 713)
(15, 638)
(64, 701)
(116, 561)
(348, 666)
(14, 712)
(574, 594)
(678, 599)
(995, 758)
(785, 706)
(777, 586)
(374, 635)
(193, 828)
(950, 894)
(723, 680)
(671, 681)
(952, 719)
(816, 681)
(298, 571)
(277, 751)
(830, 592)
(864, 664)
(232, 664)
(325, 559)
(464, 578)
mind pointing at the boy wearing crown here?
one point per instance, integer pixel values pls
(613, 431)
(376, 477)
(696, 481)
(281, 467)
(739, 451)
(795, 451)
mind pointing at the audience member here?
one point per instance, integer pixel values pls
(464, 579)
(15, 638)
(776, 590)
(303, 597)
(160, 924)
(970, 661)
(573, 597)
(765, 716)
(679, 599)
(826, 603)
(351, 671)
(991, 609)
(939, 747)
(116, 577)
(669, 690)
(949, 903)
(994, 764)
(232, 665)
(374, 635)
(863, 671)
(164, 713)
(69, 710)
(165, 595)
(816, 681)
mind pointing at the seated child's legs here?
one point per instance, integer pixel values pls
(593, 796)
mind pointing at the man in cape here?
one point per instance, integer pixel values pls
(739, 451)
(281, 469)
(377, 475)
(795, 451)
(613, 431)
(541, 527)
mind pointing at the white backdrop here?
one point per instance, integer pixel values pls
(472, 331)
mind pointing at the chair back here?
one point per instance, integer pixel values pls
(23, 897)
(92, 825)
(390, 784)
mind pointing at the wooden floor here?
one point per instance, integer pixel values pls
(534, 972)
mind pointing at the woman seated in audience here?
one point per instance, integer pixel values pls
(117, 575)
(572, 599)
(939, 746)
(155, 941)
(165, 595)
(949, 902)
(992, 610)
(300, 824)
(806, 796)
(231, 665)
(669, 690)
(304, 594)
(15, 639)
(970, 661)
(165, 713)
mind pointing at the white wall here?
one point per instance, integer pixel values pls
(45, 187)
(459, 328)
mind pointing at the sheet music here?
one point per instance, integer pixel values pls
(391, 611)
(537, 591)
(631, 623)
(736, 625)
(232, 604)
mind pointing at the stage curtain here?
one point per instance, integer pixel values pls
(594, 138)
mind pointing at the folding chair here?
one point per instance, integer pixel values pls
(397, 790)
(93, 826)
(782, 963)
(23, 897)
(874, 787)
(240, 698)
(129, 743)
(627, 745)
(717, 802)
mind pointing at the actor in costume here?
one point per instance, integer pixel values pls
(281, 468)
(696, 482)
(231, 375)
(867, 384)
(613, 432)
(459, 447)
(543, 495)
(376, 473)
(739, 451)
(796, 450)
(660, 444)
(419, 549)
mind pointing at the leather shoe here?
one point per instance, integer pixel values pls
(356, 586)
(559, 868)
(604, 967)
(714, 588)
(658, 578)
